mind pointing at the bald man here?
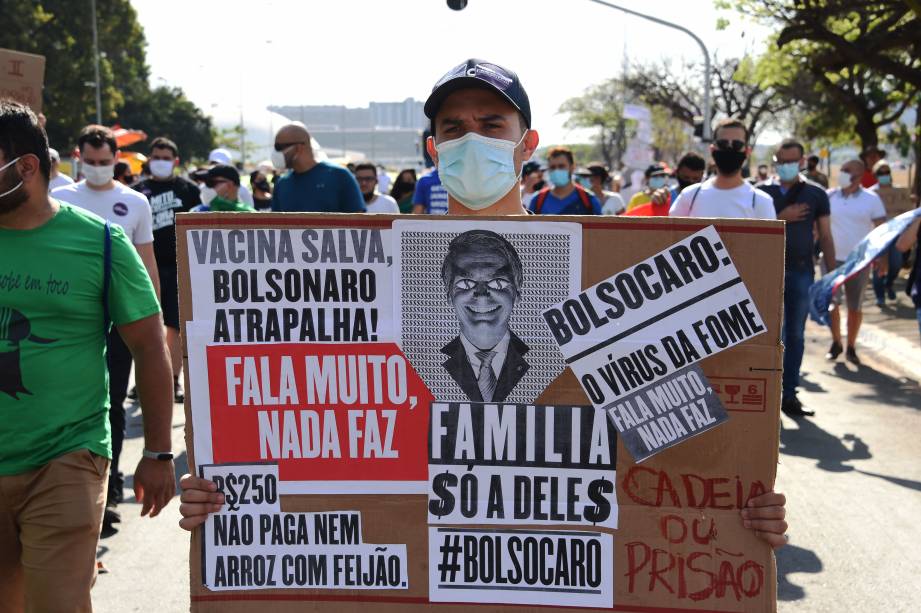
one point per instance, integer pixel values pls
(855, 211)
(311, 186)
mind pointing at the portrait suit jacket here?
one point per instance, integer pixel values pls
(514, 368)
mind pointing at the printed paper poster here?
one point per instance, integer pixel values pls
(470, 298)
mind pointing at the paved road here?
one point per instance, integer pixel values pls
(853, 481)
(852, 476)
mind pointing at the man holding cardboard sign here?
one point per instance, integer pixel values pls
(482, 136)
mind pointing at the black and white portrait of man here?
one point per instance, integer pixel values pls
(482, 275)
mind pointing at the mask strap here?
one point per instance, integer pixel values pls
(4, 167)
(10, 163)
(10, 191)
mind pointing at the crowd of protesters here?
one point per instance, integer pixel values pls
(110, 237)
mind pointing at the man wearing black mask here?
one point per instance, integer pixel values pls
(690, 171)
(726, 195)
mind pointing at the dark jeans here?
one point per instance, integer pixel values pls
(795, 310)
(883, 283)
(119, 360)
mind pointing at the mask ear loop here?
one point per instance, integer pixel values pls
(523, 162)
(5, 166)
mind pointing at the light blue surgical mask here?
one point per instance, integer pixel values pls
(477, 170)
(657, 182)
(559, 177)
(787, 171)
(884, 179)
(585, 182)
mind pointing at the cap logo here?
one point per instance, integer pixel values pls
(120, 209)
(492, 74)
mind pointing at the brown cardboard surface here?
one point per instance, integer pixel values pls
(22, 76)
(680, 544)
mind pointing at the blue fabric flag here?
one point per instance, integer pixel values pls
(867, 250)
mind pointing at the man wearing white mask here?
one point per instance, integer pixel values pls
(101, 194)
(855, 211)
(168, 194)
(481, 138)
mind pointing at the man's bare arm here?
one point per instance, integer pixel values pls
(150, 263)
(154, 480)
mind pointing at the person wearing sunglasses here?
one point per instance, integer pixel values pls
(311, 186)
(727, 195)
(883, 283)
(221, 191)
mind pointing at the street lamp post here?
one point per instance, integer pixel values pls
(96, 64)
(703, 47)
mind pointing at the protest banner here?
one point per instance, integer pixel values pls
(22, 76)
(399, 465)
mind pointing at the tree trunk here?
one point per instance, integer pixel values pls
(917, 185)
(866, 131)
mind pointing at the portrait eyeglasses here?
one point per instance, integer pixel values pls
(496, 284)
(730, 145)
(282, 146)
(366, 179)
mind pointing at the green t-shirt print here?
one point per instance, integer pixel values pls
(53, 380)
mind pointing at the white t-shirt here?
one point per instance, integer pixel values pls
(852, 218)
(383, 204)
(744, 201)
(613, 204)
(383, 182)
(246, 196)
(120, 205)
(59, 181)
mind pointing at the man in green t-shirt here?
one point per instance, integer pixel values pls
(65, 276)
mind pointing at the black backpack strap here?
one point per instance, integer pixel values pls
(694, 198)
(106, 276)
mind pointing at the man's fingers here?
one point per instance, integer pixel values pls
(775, 512)
(201, 496)
(768, 499)
(774, 540)
(192, 521)
(191, 482)
(188, 509)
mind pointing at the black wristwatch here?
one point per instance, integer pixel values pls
(158, 455)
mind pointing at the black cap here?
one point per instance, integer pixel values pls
(221, 171)
(656, 169)
(597, 169)
(479, 73)
(530, 167)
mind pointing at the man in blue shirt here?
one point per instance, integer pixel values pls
(802, 204)
(566, 197)
(430, 196)
(311, 186)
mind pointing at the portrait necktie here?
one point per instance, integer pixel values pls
(486, 378)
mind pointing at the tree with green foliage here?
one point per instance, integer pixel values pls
(863, 60)
(167, 112)
(882, 35)
(601, 107)
(61, 30)
(736, 91)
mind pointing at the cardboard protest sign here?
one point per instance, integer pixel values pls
(409, 435)
(22, 76)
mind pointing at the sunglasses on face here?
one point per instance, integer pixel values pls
(366, 179)
(283, 146)
(883, 173)
(730, 145)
